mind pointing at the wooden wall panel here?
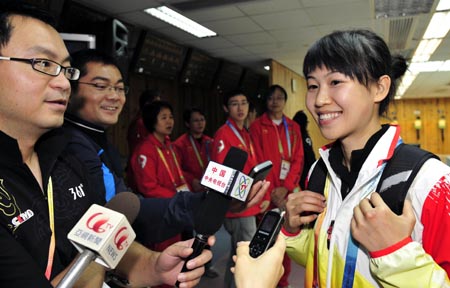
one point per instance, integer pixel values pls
(430, 135)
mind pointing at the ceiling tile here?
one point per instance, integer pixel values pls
(340, 13)
(268, 6)
(286, 19)
(250, 38)
(233, 26)
(218, 13)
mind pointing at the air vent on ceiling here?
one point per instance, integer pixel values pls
(389, 8)
(400, 30)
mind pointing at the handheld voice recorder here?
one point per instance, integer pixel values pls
(260, 171)
(267, 232)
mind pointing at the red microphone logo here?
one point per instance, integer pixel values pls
(120, 240)
(97, 222)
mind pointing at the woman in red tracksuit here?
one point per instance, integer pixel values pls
(194, 148)
(155, 170)
(241, 226)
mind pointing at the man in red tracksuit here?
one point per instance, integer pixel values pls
(241, 226)
(194, 148)
(278, 138)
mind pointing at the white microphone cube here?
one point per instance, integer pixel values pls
(104, 231)
(227, 181)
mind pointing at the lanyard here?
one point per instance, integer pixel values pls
(288, 138)
(319, 222)
(197, 153)
(172, 178)
(352, 246)
(238, 135)
(51, 249)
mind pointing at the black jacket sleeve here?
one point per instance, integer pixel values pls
(162, 218)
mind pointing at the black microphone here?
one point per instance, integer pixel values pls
(211, 214)
(103, 233)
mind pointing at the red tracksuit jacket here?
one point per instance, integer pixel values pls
(148, 172)
(192, 169)
(223, 140)
(264, 135)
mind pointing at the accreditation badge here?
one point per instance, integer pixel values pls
(285, 167)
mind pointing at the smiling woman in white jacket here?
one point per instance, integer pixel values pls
(346, 235)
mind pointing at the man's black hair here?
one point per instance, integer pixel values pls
(10, 8)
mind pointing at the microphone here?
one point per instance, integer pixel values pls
(211, 214)
(103, 234)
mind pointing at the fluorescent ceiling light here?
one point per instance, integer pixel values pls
(445, 66)
(443, 5)
(438, 26)
(425, 49)
(174, 18)
(430, 66)
(407, 80)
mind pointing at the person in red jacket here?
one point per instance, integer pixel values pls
(155, 170)
(278, 139)
(194, 147)
(241, 226)
(137, 131)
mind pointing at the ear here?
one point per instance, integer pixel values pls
(382, 88)
(225, 109)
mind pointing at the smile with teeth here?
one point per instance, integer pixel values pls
(329, 116)
(110, 108)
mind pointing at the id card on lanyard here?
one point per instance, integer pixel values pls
(285, 164)
(178, 188)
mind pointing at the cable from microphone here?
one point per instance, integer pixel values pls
(211, 214)
(103, 234)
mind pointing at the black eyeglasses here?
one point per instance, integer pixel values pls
(103, 87)
(48, 67)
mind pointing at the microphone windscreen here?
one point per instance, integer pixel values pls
(211, 214)
(126, 203)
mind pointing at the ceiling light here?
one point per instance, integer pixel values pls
(174, 18)
(407, 80)
(443, 5)
(445, 66)
(425, 49)
(430, 66)
(267, 67)
(438, 26)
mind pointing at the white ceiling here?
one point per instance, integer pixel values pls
(252, 31)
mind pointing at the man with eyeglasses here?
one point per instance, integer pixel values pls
(95, 105)
(278, 138)
(37, 175)
(242, 225)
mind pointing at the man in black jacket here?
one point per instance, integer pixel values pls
(44, 190)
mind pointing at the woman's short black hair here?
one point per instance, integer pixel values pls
(359, 54)
(151, 111)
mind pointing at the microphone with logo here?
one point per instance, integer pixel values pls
(211, 214)
(103, 234)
